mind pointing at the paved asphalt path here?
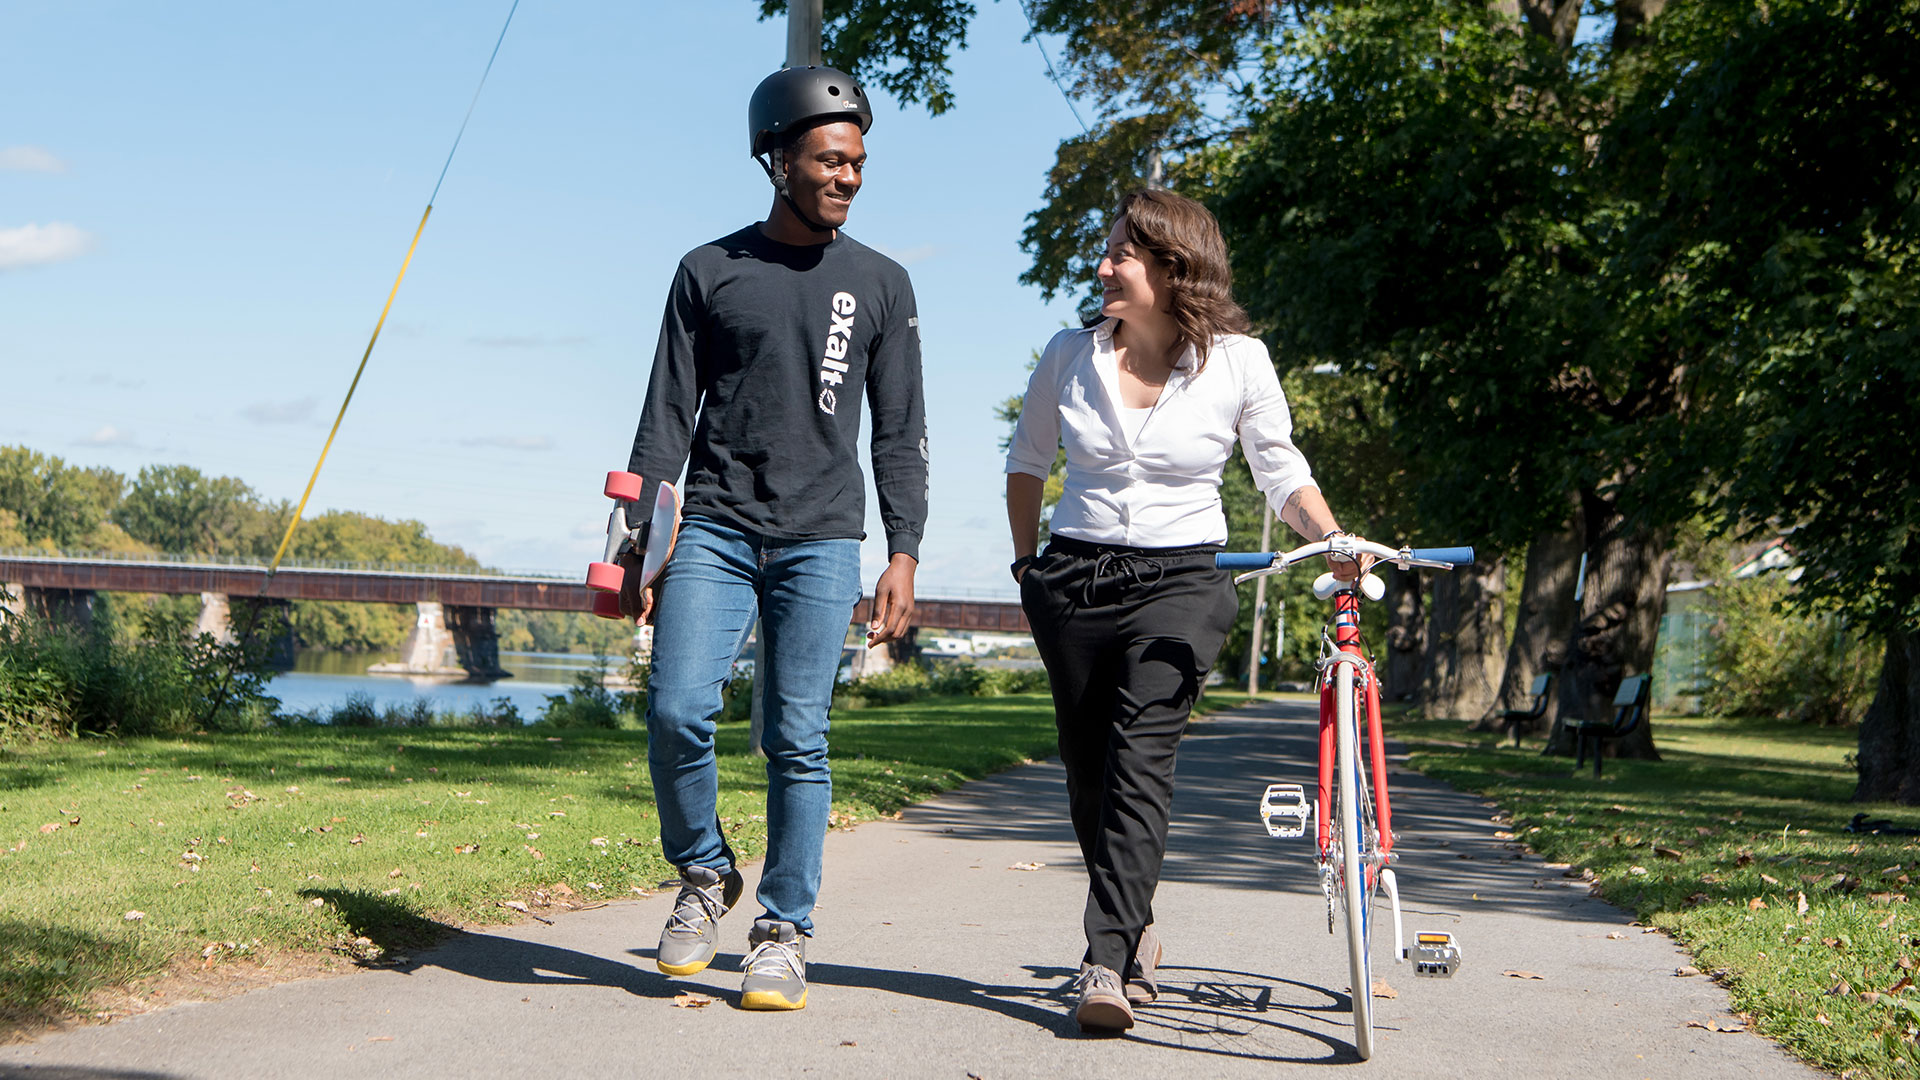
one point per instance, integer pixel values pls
(933, 957)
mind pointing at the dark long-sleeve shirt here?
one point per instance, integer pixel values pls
(765, 352)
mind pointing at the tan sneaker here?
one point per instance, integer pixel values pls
(1143, 982)
(1103, 1007)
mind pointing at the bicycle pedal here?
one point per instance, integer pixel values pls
(1283, 810)
(1435, 955)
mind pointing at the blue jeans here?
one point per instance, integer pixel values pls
(803, 591)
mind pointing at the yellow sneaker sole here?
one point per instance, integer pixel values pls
(772, 1001)
(683, 969)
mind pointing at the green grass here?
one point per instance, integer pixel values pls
(1718, 844)
(361, 843)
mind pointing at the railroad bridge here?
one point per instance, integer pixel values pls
(455, 605)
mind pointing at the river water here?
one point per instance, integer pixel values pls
(323, 680)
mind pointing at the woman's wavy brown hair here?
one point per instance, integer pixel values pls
(1183, 237)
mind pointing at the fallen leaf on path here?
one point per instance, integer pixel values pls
(1720, 1024)
(1888, 921)
(514, 905)
(1686, 971)
(1756, 904)
(1615, 936)
(1669, 853)
(1026, 866)
(1840, 989)
(1905, 981)
(691, 1001)
(467, 849)
(598, 841)
(134, 916)
(1382, 990)
(394, 873)
(381, 1038)
(1821, 1018)
(1517, 974)
(848, 1042)
(1869, 996)
(50, 826)
(1769, 879)
(396, 891)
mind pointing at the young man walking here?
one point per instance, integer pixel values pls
(771, 338)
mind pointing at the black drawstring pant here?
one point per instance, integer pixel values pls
(1128, 636)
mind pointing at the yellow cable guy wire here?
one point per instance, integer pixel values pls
(342, 414)
(293, 524)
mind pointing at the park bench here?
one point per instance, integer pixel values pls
(1629, 710)
(1518, 720)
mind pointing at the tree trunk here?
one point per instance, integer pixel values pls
(1630, 19)
(1540, 634)
(1406, 636)
(1466, 641)
(1624, 595)
(1889, 758)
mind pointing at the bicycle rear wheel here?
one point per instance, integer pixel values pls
(1356, 895)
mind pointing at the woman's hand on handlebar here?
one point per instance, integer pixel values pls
(1347, 568)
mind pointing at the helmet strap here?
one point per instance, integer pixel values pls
(776, 168)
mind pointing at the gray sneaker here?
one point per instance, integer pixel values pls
(1103, 1007)
(776, 967)
(693, 930)
(1143, 982)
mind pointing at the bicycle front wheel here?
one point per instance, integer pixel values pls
(1354, 893)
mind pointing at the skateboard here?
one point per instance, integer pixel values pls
(652, 537)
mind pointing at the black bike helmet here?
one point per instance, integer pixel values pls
(794, 98)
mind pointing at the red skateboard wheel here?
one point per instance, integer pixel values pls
(606, 577)
(624, 485)
(607, 605)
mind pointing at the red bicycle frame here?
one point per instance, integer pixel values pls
(1366, 688)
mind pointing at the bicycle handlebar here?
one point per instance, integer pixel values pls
(1441, 558)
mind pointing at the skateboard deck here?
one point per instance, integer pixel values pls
(653, 538)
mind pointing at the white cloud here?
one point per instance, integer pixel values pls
(511, 442)
(107, 435)
(280, 412)
(527, 341)
(29, 159)
(34, 245)
(907, 256)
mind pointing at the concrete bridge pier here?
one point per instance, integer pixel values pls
(13, 600)
(427, 645)
(216, 617)
(475, 641)
(268, 623)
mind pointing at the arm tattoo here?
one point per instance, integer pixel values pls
(1299, 518)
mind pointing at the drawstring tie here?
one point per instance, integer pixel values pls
(1125, 566)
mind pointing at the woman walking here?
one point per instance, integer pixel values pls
(1127, 608)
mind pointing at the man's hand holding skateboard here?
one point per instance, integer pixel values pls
(636, 550)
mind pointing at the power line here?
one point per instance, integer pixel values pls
(1051, 74)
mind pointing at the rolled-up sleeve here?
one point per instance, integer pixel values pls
(1036, 438)
(1266, 432)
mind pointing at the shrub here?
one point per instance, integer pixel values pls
(910, 682)
(586, 704)
(152, 678)
(1767, 660)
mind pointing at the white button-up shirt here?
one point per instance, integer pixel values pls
(1162, 488)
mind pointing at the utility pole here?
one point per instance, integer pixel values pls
(803, 33)
(803, 50)
(1259, 601)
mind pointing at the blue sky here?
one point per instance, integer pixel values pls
(202, 208)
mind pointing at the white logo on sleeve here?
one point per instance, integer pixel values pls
(833, 365)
